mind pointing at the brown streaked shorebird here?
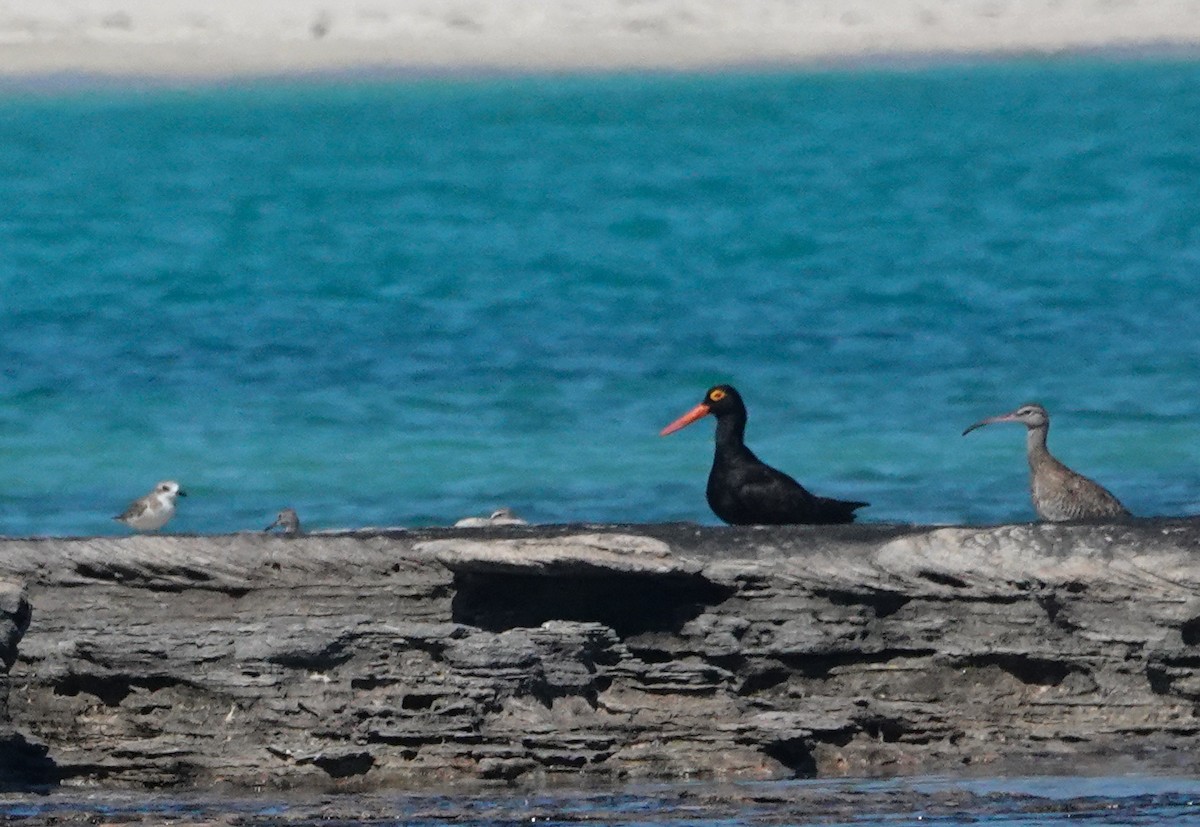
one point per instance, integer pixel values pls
(287, 521)
(1058, 492)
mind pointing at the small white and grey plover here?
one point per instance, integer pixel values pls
(501, 516)
(153, 511)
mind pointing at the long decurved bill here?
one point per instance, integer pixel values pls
(698, 412)
(990, 420)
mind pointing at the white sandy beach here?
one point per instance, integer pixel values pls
(218, 38)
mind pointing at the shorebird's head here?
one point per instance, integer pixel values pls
(720, 400)
(287, 519)
(1031, 415)
(170, 488)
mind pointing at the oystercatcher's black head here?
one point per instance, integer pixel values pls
(720, 400)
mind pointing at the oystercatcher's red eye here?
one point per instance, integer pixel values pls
(716, 395)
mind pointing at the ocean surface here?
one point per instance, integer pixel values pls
(403, 301)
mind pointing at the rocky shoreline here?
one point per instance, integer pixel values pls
(579, 654)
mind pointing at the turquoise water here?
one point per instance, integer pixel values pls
(402, 302)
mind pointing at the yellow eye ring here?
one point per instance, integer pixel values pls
(717, 395)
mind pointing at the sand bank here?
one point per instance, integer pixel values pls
(220, 38)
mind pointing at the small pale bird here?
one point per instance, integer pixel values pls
(1058, 492)
(287, 521)
(501, 516)
(154, 510)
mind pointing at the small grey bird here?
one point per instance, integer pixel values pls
(287, 521)
(501, 516)
(154, 510)
(1058, 492)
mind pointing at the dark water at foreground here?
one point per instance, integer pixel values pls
(400, 303)
(1006, 802)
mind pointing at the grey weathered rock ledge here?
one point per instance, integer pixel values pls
(598, 653)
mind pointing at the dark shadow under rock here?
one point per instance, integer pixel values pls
(627, 604)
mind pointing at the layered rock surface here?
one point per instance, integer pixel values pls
(526, 654)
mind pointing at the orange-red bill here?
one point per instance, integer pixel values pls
(698, 412)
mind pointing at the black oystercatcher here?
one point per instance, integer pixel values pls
(1058, 492)
(744, 490)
